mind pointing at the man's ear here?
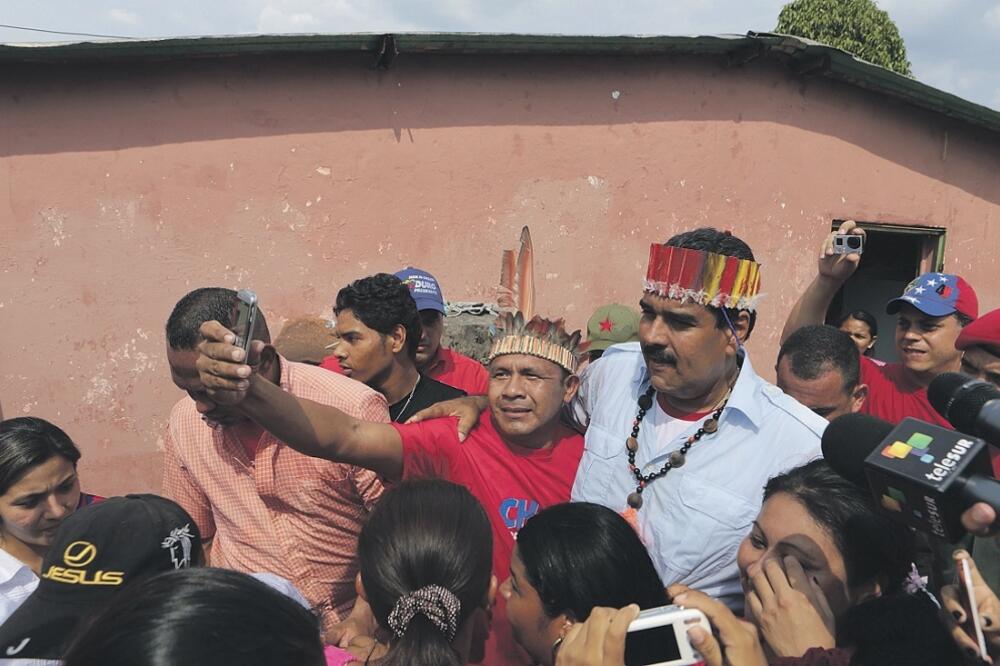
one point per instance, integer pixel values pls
(397, 339)
(267, 366)
(741, 324)
(858, 397)
(571, 385)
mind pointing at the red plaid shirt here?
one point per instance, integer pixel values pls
(281, 511)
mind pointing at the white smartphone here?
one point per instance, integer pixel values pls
(658, 637)
(973, 620)
(244, 318)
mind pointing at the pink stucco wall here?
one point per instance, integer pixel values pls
(124, 186)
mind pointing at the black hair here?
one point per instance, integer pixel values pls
(863, 316)
(421, 533)
(613, 569)
(199, 617)
(201, 305)
(877, 637)
(874, 548)
(815, 350)
(712, 240)
(25, 443)
(382, 302)
(963, 319)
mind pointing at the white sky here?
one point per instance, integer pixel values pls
(953, 44)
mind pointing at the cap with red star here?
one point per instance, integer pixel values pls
(612, 324)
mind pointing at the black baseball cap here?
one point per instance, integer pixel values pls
(96, 552)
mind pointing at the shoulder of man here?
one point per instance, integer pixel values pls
(440, 390)
(181, 409)
(622, 360)
(460, 359)
(185, 423)
(330, 388)
(785, 404)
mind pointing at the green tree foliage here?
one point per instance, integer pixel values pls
(856, 26)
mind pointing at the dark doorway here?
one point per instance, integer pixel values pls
(893, 256)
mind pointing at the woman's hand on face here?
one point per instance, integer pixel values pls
(600, 641)
(958, 620)
(738, 643)
(790, 609)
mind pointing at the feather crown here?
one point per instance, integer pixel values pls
(696, 276)
(544, 338)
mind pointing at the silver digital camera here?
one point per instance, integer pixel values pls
(848, 243)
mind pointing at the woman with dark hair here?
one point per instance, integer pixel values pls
(425, 560)
(199, 617)
(862, 326)
(39, 488)
(827, 580)
(568, 559)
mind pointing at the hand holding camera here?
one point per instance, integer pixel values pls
(841, 252)
(735, 642)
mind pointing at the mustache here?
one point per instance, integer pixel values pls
(658, 354)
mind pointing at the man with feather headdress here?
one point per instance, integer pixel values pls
(518, 460)
(682, 434)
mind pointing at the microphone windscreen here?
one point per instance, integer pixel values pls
(943, 389)
(848, 440)
(963, 398)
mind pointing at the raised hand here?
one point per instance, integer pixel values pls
(790, 609)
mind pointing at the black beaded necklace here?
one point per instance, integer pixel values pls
(675, 459)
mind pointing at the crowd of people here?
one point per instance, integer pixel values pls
(385, 499)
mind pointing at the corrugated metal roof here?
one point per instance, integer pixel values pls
(806, 57)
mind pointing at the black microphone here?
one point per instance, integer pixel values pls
(970, 405)
(919, 474)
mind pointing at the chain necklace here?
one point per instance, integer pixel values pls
(676, 458)
(407, 403)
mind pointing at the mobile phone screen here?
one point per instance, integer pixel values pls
(242, 317)
(651, 646)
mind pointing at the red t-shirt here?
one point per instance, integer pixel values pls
(458, 370)
(512, 483)
(331, 363)
(449, 367)
(892, 397)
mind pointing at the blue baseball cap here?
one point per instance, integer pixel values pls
(424, 287)
(937, 295)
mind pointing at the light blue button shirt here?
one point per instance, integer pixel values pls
(693, 519)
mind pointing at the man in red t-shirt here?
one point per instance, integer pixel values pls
(519, 460)
(439, 363)
(931, 314)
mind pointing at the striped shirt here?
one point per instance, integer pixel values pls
(277, 510)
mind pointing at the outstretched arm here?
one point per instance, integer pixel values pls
(834, 269)
(314, 429)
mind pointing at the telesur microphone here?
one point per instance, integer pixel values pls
(919, 474)
(970, 405)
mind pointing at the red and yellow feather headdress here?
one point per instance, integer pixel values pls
(696, 276)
